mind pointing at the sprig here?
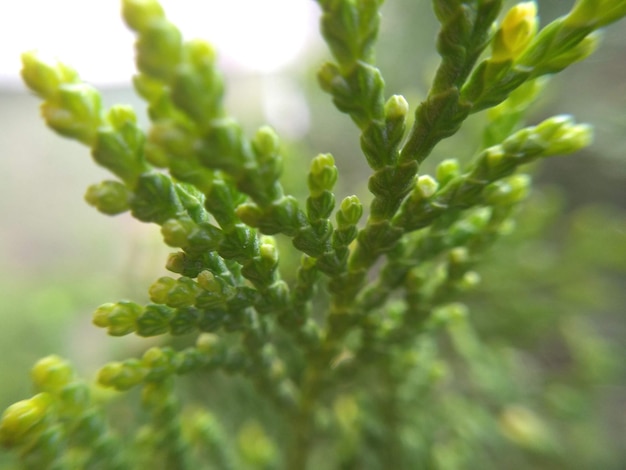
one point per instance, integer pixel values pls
(343, 346)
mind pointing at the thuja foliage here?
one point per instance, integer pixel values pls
(346, 363)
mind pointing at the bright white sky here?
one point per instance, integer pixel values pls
(89, 35)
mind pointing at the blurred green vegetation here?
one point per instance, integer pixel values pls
(548, 317)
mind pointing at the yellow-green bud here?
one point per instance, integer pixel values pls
(176, 262)
(323, 174)
(479, 217)
(265, 142)
(329, 77)
(101, 315)
(159, 362)
(176, 232)
(159, 291)
(183, 293)
(459, 255)
(108, 373)
(470, 280)
(75, 112)
(350, 211)
(51, 374)
(122, 318)
(153, 355)
(43, 77)
(268, 250)
(447, 170)
(425, 187)
(201, 53)
(207, 343)
(396, 108)
(158, 49)
(249, 213)
(120, 115)
(494, 156)
(508, 191)
(580, 51)
(516, 31)
(552, 127)
(121, 376)
(595, 13)
(562, 136)
(24, 418)
(139, 13)
(207, 280)
(109, 197)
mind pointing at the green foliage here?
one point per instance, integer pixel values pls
(364, 357)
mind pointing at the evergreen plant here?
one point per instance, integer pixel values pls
(365, 357)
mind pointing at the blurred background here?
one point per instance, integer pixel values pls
(60, 259)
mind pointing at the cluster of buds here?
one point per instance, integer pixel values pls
(216, 194)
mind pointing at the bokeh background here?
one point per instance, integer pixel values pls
(60, 259)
